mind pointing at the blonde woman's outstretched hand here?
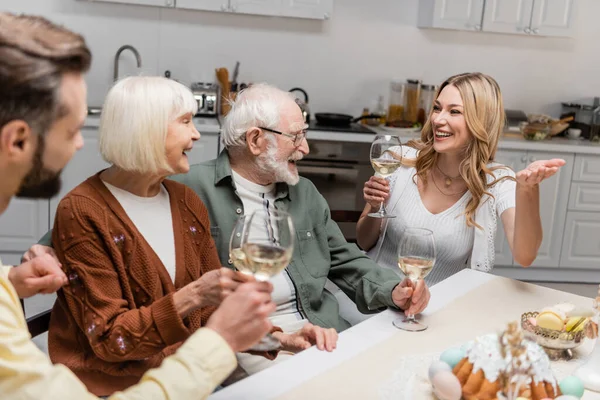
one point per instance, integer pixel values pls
(537, 171)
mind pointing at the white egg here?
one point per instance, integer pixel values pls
(436, 367)
(446, 386)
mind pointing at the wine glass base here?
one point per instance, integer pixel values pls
(380, 215)
(267, 343)
(409, 325)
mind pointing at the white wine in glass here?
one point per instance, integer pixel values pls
(266, 261)
(268, 244)
(416, 258)
(236, 254)
(386, 157)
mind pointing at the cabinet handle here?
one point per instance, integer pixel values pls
(326, 16)
(527, 30)
(477, 27)
(536, 31)
(532, 159)
(233, 8)
(223, 7)
(524, 159)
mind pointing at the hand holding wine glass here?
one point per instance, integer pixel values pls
(416, 258)
(386, 157)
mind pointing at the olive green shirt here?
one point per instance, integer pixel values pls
(320, 250)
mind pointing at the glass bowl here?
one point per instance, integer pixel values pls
(557, 344)
(535, 131)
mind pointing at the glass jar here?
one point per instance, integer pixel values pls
(396, 101)
(426, 102)
(411, 104)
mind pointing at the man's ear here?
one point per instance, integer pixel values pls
(255, 141)
(16, 139)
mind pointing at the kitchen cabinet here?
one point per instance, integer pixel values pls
(507, 16)
(313, 9)
(581, 243)
(554, 200)
(207, 5)
(157, 3)
(528, 17)
(451, 14)
(21, 225)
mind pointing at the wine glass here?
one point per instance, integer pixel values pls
(268, 244)
(386, 157)
(236, 254)
(416, 258)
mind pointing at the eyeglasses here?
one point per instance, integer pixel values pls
(297, 138)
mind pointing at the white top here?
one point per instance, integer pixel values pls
(483, 240)
(453, 238)
(152, 218)
(288, 315)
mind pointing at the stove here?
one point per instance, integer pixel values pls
(352, 128)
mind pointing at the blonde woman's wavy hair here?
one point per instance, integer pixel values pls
(484, 115)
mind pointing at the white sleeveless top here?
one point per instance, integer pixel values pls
(457, 245)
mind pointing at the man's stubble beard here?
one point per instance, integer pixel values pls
(40, 182)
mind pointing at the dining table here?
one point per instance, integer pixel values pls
(375, 360)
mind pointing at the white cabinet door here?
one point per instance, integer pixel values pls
(84, 164)
(314, 9)
(209, 5)
(552, 17)
(507, 16)
(554, 201)
(260, 7)
(587, 168)
(21, 225)
(581, 244)
(451, 14)
(159, 3)
(516, 160)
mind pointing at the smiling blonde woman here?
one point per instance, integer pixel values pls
(451, 185)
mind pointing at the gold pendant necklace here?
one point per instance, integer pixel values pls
(447, 178)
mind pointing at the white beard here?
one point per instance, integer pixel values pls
(279, 170)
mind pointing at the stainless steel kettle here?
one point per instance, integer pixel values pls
(303, 104)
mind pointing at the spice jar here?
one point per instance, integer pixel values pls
(396, 101)
(411, 105)
(426, 102)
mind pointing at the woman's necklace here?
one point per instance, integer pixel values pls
(441, 191)
(448, 179)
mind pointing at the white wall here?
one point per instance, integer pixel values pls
(343, 63)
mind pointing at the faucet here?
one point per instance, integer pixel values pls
(121, 49)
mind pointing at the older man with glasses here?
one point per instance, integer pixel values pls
(264, 135)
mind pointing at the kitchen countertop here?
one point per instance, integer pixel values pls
(204, 125)
(506, 143)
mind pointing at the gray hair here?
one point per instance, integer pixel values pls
(135, 120)
(258, 105)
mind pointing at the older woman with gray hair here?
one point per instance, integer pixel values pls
(144, 271)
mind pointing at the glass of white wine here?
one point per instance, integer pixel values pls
(386, 157)
(416, 258)
(268, 245)
(236, 254)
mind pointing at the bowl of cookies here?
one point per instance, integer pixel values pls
(560, 328)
